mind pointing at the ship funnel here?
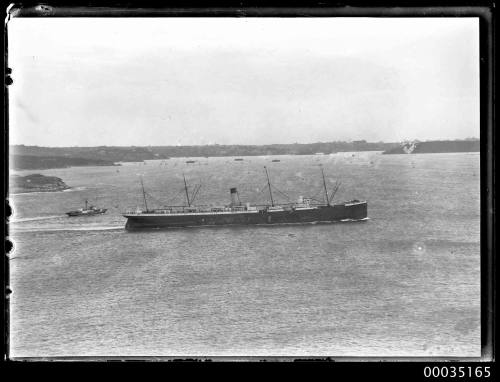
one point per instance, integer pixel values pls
(235, 200)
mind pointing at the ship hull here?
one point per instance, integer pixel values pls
(335, 213)
(90, 213)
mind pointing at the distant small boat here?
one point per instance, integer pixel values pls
(190, 161)
(238, 159)
(276, 160)
(87, 211)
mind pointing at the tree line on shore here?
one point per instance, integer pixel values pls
(38, 157)
(140, 153)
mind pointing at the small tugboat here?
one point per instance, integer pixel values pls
(87, 211)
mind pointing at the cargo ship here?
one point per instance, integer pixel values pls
(305, 210)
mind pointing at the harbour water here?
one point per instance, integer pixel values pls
(404, 283)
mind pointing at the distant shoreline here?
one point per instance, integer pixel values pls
(38, 158)
(42, 162)
(432, 147)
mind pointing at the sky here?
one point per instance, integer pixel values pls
(198, 81)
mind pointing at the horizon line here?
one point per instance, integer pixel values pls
(264, 144)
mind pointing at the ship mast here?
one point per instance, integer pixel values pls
(324, 185)
(269, 184)
(144, 195)
(186, 189)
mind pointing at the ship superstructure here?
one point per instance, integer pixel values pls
(87, 211)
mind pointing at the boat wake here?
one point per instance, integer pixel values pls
(355, 220)
(22, 220)
(71, 189)
(63, 229)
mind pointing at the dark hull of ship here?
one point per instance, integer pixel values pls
(79, 213)
(333, 213)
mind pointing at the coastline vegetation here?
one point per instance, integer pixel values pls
(37, 157)
(36, 183)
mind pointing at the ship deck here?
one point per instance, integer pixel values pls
(268, 209)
